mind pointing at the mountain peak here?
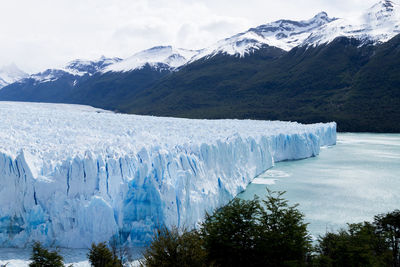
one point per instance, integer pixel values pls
(383, 6)
(322, 15)
(160, 47)
(284, 34)
(320, 19)
(377, 24)
(159, 57)
(10, 74)
(388, 4)
(383, 12)
(81, 67)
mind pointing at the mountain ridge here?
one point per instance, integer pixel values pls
(377, 24)
(321, 79)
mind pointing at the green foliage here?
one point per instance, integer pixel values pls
(273, 233)
(101, 256)
(41, 257)
(247, 233)
(363, 244)
(284, 236)
(388, 225)
(169, 248)
(360, 245)
(356, 86)
(231, 234)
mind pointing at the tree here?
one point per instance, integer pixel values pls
(230, 233)
(171, 248)
(101, 256)
(359, 245)
(41, 257)
(119, 249)
(248, 233)
(389, 225)
(284, 238)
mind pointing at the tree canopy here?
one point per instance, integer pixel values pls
(41, 257)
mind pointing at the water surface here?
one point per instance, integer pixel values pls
(350, 182)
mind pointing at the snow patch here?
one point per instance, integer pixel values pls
(284, 34)
(378, 24)
(159, 57)
(10, 74)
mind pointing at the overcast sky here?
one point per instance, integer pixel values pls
(48, 33)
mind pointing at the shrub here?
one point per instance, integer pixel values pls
(250, 233)
(171, 248)
(359, 245)
(388, 225)
(41, 257)
(231, 233)
(101, 256)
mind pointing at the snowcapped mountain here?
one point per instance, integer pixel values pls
(284, 34)
(253, 63)
(159, 57)
(10, 74)
(76, 67)
(378, 24)
(82, 67)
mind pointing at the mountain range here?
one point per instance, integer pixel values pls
(321, 69)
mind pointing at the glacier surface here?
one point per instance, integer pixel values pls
(71, 175)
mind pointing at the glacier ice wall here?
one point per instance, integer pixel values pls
(72, 175)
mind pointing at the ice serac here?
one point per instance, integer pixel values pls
(72, 175)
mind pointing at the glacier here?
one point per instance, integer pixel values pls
(71, 175)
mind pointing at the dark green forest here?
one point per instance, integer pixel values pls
(355, 84)
(358, 87)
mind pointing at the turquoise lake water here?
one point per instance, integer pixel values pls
(350, 182)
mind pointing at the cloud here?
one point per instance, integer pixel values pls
(46, 33)
(200, 35)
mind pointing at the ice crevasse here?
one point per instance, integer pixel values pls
(71, 175)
